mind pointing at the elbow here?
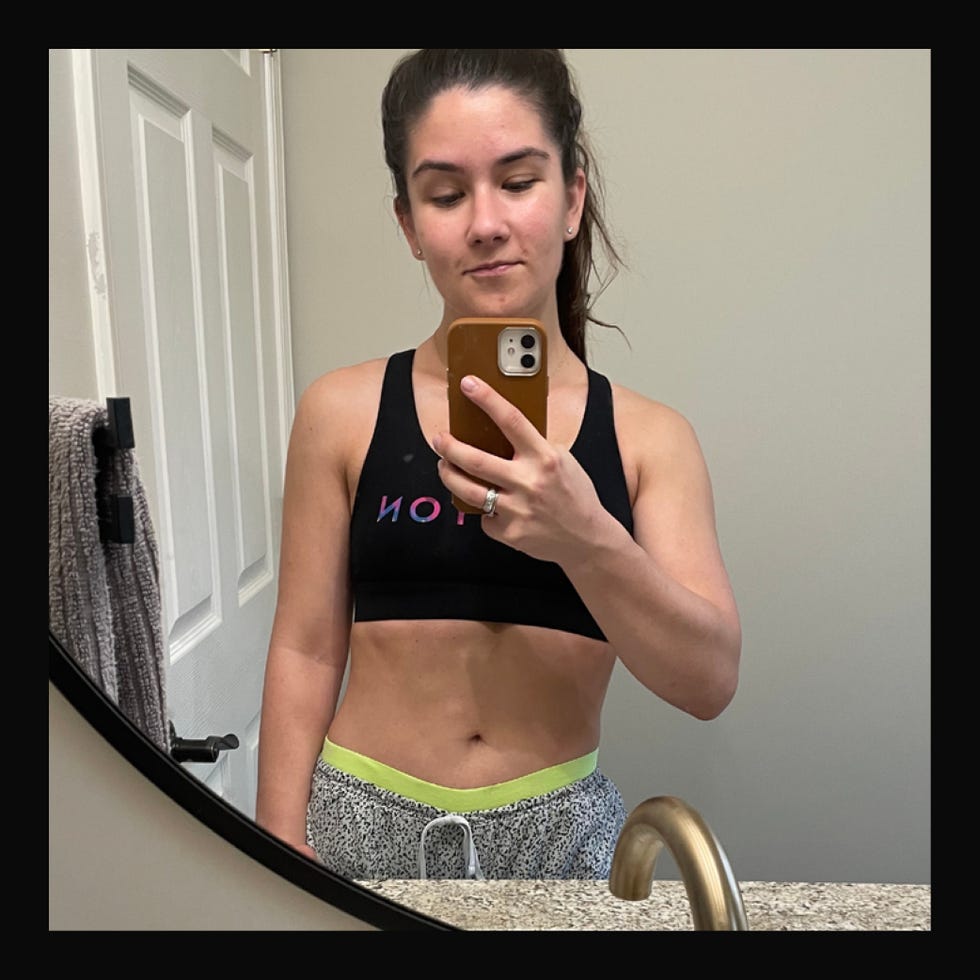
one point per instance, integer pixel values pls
(706, 696)
(704, 675)
(715, 701)
(718, 689)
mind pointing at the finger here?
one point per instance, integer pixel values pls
(463, 486)
(511, 421)
(483, 468)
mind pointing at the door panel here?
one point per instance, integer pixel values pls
(184, 219)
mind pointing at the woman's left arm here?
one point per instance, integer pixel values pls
(662, 596)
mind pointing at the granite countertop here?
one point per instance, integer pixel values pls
(563, 905)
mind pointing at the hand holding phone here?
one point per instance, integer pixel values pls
(511, 355)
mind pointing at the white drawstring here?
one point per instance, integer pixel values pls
(469, 849)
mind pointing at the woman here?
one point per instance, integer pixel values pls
(481, 647)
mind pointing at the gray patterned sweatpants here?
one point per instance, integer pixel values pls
(364, 832)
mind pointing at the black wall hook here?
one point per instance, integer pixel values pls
(116, 522)
(199, 749)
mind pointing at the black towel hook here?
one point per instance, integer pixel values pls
(199, 749)
(116, 521)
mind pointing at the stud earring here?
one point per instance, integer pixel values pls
(570, 231)
(418, 252)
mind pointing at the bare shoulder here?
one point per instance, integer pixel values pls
(341, 401)
(345, 389)
(672, 496)
(649, 430)
(335, 417)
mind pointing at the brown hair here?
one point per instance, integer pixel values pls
(541, 76)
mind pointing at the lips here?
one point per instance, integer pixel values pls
(491, 268)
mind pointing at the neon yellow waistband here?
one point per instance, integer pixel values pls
(458, 800)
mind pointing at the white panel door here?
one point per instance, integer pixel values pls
(183, 218)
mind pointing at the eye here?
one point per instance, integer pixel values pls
(516, 186)
(446, 200)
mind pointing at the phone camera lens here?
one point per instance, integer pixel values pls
(527, 342)
(527, 360)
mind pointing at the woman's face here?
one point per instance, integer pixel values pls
(489, 207)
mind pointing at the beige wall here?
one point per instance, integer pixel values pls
(774, 210)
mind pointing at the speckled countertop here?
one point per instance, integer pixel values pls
(563, 905)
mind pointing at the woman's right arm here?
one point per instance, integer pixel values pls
(308, 647)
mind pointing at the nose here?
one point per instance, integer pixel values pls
(488, 219)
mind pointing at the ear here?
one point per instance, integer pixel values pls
(575, 196)
(407, 225)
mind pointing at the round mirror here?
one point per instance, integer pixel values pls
(777, 209)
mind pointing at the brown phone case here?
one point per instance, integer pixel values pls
(474, 347)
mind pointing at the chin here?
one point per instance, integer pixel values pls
(502, 307)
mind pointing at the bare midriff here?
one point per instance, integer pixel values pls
(470, 704)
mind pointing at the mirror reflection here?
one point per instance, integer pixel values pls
(733, 214)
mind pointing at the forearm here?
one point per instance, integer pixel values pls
(678, 644)
(298, 704)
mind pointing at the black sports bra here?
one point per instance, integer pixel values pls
(414, 556)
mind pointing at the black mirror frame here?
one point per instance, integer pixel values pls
(190, 793)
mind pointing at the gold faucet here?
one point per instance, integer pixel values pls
(712, 889)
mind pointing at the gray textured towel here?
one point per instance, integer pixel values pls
(104, 598)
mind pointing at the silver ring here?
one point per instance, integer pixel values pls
(490, 504)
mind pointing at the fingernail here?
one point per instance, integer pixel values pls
(468, 384)
(437, 444)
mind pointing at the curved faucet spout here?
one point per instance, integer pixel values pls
(712, 889)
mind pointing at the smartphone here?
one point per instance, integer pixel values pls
(511, 355)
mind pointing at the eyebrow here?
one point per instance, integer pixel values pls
(446, 167)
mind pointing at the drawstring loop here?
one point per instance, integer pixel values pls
(469, 848)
